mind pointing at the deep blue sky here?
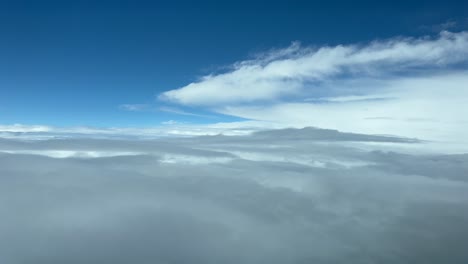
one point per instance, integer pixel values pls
(74, 62)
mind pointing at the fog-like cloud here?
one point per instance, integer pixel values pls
(279, 196)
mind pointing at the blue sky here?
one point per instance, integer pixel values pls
(106, 63)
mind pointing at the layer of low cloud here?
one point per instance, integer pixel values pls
(278, 196)
(165, 129)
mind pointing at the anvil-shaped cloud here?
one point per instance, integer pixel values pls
(402, 86)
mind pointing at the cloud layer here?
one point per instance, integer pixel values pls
(281, 196)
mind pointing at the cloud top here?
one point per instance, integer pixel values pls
(281, 196)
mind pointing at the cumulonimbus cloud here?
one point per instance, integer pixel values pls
(288, 72)
(414, 87)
